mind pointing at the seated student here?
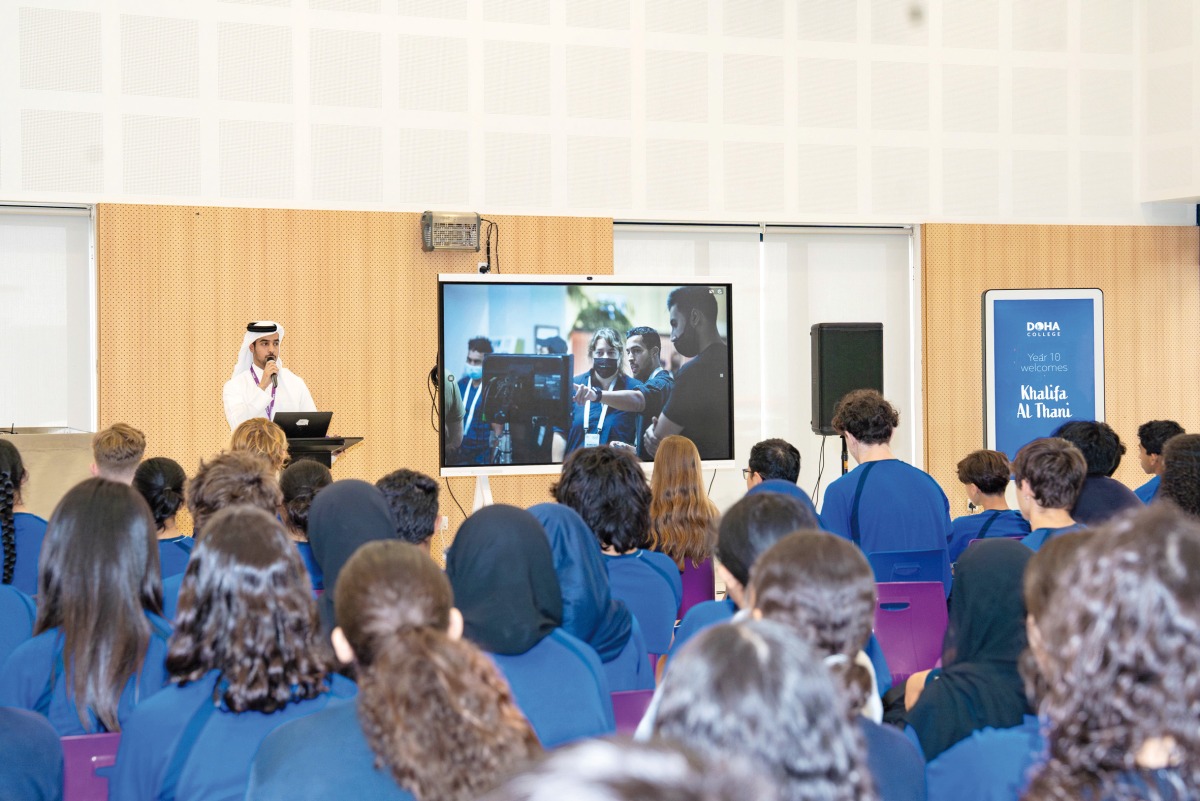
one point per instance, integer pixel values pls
(262, 436)
(1102, 496)
(300, 482)
(589, 611)
(433, 721)
(756, 690)
(502, 572)
(117, 452)
(985, 476)
(882, 504)
(245, 659)
(1049, 473)
(788, 488)
(1152, 436)
(17, 613)
(236, 477)
(681, 516)
(344, 516)
(1119, 649)
(99, 641)
(21, 532)
(772, 459)
(979, 684)
(1181, 473)
(993, 764)
(822, 587)
(608, 489)
(413, 499)
(160, 481)
(32, 768)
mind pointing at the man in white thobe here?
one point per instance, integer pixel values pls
(250, 392)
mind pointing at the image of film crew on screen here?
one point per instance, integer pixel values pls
(593, 421)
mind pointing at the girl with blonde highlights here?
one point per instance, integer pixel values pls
(681, 514)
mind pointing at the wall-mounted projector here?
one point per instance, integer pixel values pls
(449, 230)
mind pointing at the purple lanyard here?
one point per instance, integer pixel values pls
(274, 389)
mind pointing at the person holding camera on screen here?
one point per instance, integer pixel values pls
(260, 384)
(594, 422)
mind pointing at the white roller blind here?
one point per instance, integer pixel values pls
(47, 318)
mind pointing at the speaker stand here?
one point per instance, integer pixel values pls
(845, 457)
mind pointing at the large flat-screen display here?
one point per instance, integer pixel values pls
(545, 365)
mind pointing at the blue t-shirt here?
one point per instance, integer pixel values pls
(700, 617)
(965, 529)
(173, 555)
(310, 564)
(895, 763)
(322, 756)
(170, 587)
(560, 686)
(1037, 538)
(989, 765)
(17, 613)
(901, 508)
(25, 679)
(30, 531)
(218, 766)
(618, 426)
(630, 669)
(32, 767)
(1147, 491)
(650, 585)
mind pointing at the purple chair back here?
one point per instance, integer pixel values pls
(699, 584)
(629, 707)
(910, 624)
(87, 760)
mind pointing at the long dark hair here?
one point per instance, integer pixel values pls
(97, 577)
(1124, 663)
(246, 609)
(12, 473)
(160, 481)
(300, 483)
(434, 710)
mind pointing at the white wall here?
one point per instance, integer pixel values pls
(1170, 84)
(778, 110)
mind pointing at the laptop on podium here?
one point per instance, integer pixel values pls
(303, 425)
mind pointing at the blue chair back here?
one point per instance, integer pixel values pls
(908, 566)
(652, 602)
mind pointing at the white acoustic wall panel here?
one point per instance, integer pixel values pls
(1039, 100)
(970, 183)
(899, 96)
(1105, 26)
(1039, 25)
(971, 24)
(827, 93)
(900, 182)
(275, 3)
(60, 50)
(517, 170)
(894, 23)
(598, 172)
(676, 175)
(345, 68)
(753, 176)
(356, 6)
(753, 90)
(1168, 94)
(1106, 103)
(433, 73)
(528, 12)
(1170, 169)
(610, 14)
(761, 19)
(161, 155)
(598, 82)
(254, 63)
(1170, 25)
(827, 21)
(676, 16)
(970, 98)
(345, 164)
(676, 86)
(1039, 179)
(62, 151)
(434, 169)
(827, 178)
(257, 159)
(516, 78)
(441, 9)
(1106, 184)
(160, 56)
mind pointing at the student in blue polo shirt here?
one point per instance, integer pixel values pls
(21, 531)
(245, 659)
(1152, 436)
(1049, 473)
(160, 481)
(985, 476)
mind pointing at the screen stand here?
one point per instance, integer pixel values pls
(483, 493)
(845, 457)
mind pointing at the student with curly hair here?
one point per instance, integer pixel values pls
(1152, 436)
(260, 435)
(245, 659)
(160, 481)
(1181, 473)
(757, 691)
(99, 639)
(300, 482)
(882, 504)
(1119, 651)
(985, 475)
(433, 720)
(21, 532)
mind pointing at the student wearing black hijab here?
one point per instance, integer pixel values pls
(589, 611)
(502, 572)
(979, 684)
(344, 516)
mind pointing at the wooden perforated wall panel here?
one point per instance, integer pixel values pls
(1151, 282)
(355, 294)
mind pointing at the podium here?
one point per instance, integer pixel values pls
(320, 449)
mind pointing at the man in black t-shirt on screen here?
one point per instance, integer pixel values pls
(698, 407)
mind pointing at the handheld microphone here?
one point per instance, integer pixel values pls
(274, 376)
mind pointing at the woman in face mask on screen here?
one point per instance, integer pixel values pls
(594, 422)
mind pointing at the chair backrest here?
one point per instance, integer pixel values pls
(652, 602)
(895, 566)
(87, 761)
(629, 708)
(699, 584)
(910, 624)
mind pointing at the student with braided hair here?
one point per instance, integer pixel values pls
(21, 532)
(433, 721)
(160, 481)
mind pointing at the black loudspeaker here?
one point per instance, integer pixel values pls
(845, 357)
